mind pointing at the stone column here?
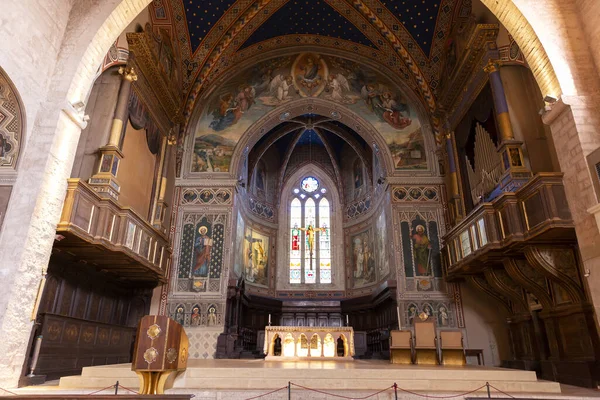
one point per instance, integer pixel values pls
(104, 181)
(510, 150)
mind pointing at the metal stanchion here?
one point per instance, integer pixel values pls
(395, 390)
(487, 385)
(117, 388)
(289, 390)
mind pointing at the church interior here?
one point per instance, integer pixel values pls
(368, 191)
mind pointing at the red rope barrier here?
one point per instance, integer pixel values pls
(8, 391)
(439, 397)
(101, 390)
(340, 396)
(504, 393)
(266, 394)
(130, 390)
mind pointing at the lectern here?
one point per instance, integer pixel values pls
(161, 349)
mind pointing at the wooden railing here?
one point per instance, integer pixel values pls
(99, 231)
(536, 213)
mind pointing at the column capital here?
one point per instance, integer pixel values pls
(492, 66)
(128, 73)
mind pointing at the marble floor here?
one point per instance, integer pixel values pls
(243, 379)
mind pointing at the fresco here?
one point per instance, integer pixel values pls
(421, 251)
(381, 239)
(201, 252)
(256, 257)
(363, 259)
(239, 246)
(241, 101)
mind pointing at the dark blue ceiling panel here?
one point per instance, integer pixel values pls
(314, 17)
(201, 17)
(419, 17)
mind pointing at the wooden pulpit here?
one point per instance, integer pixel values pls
(161, 349)
(451, 345)
(425, 343)
(401, 347)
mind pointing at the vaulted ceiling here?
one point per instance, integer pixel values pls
(406, 36)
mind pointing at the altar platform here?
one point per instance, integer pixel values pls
(357, 376)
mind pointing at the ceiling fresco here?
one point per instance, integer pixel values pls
(409, 37)
(249, 95)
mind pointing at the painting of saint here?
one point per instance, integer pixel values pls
(280, 90)
(260, 176)
(383, 263)
(202, 247)
(239, 245)
(412, 313)
(339, 90)
(443, 317)
(256, 257)
(364, 261)
(421, 251)
(180, 315)
(310, 73)
(195, 317)
(358, 174)
(393, 111)
(211, 319)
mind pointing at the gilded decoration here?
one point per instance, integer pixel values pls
(207, 196)
(153, 331)
(12, 123)
(171, 355)
(150, 355)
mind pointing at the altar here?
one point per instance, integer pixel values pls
(300, 342)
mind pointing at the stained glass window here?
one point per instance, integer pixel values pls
(310, 184)
(295, 252)
(324, 242)
(310, 213)
(310, 235)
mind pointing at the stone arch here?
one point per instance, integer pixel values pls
(335, 204)
(519, 26)
(321, 107)
(12, 123)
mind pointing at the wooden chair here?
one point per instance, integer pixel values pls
(425, 343)
(401, 347)
(451, 346)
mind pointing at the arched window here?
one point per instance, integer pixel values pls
(310, 223)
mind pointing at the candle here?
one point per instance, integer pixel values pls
(399, 323)
(269, 319)
(347, 323)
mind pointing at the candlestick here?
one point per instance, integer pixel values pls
(269, 319)
(399, 323)
(347, 323)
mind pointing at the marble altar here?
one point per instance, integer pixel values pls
(301, 342)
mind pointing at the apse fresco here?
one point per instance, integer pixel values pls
(381, 240)
(241, 101)
(256, 257)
